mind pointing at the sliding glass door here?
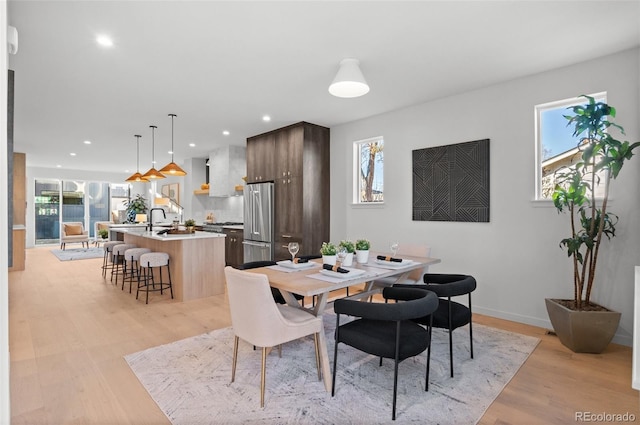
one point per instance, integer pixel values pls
(58, 201)
(47, 208)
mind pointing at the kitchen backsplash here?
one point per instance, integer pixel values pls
(223, 209)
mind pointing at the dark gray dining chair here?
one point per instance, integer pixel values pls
(386, 330)
(450, 314)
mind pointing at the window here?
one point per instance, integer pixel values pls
(368, 168)
(556, 147)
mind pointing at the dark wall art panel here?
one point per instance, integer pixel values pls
(451, 183)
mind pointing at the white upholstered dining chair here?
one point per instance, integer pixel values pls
(258, 320)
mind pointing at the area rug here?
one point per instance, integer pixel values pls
(190, 380)
(78, 253)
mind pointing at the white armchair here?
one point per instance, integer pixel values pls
(73, 231)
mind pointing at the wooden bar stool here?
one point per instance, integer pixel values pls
(132, 265)
(147, 263)
(118, 260)
(107, 262)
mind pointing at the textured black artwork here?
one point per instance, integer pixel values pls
(451, 183)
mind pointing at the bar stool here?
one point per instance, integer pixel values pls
(118, 260)
(107, 263)
(131, 265)
(147, 263)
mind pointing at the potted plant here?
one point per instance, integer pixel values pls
(328, 251)
(137, 205)
(362, 250)
(351, 249)
(190, 225)
(580, 324)
(103, 233)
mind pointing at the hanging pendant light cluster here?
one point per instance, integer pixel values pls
(153, 174)
(137, 177)
(172, 169)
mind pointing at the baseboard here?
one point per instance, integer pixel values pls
(619, 338)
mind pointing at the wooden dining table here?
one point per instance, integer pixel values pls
(310, 281)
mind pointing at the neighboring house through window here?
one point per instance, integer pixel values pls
(368, 165)
(556, 147)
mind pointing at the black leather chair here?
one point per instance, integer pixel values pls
(386, 329)
(450, 314)
(277, 295)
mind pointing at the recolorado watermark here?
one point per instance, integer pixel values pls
(604, 417)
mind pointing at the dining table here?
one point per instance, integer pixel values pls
(311, 279)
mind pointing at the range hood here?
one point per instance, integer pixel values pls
(227, 166)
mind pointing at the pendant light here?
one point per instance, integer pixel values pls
(137, 177)
(153, 174)
(172, 169)
(349, 81)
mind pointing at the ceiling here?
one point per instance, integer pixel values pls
(223, 65)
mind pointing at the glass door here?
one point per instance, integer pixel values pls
(47, 207)
(73, 201)
(98, 201)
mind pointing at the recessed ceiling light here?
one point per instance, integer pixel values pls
(58, 166)
(72, 154)
(104, 41)
(192, 145)
(226, 132)
(266, 118)
(87, 142)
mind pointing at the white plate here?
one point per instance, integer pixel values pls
(352, 273)
(394, 263)
(290, 265)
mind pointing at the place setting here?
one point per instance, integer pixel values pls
(337, 273)
(390, 262)
(295, 264)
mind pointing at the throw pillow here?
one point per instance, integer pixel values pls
(72, 229)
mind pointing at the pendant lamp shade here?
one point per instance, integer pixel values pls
(349, 81)
(172, 169)
(153, 174)
(137, 177)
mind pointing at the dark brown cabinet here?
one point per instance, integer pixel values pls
(234, 255)
(261, 158)
(300, 163)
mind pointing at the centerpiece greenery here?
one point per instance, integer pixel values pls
(328, 248)
(104, 233)
(348, 245)
(363, 245)
(601, 160)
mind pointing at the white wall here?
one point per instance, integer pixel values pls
(5, 406)
(515, 257)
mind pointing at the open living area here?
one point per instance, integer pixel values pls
(371, 212)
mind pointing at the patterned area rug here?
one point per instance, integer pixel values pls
(78, 253)
(190, 380)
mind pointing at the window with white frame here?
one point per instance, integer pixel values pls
(557, 149)
(368, 166)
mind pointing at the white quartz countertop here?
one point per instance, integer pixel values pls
(165, 237)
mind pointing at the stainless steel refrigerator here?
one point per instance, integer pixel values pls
(258, 222)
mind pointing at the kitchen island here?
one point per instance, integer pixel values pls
(197, 260)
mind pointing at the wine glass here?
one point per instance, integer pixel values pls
(394, 248)
(293, 247)
(341, 254)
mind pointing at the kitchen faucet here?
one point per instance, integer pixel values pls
(151, 216)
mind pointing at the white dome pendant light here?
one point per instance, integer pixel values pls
(349, 81)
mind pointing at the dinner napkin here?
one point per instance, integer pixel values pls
(334, 268)
(300, 260)
(386, 258)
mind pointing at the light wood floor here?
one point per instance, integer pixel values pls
(69, 331)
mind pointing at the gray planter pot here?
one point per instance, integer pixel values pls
(582, 331)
